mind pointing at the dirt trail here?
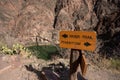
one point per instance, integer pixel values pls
(95, 73)
(15, 69)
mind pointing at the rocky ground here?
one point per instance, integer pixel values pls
(19, 68)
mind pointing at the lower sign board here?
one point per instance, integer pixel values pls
(83, 65)
(83, 40)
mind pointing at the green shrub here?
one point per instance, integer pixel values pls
(16, 49)
(44, 51)
(115, 63)
(6, 50)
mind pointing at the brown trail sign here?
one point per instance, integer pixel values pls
(77, 41)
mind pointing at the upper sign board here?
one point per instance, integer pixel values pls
(83, 40)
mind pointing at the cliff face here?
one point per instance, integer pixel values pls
(108, 26)
(103, 16)
(75, 15)
(23, 20)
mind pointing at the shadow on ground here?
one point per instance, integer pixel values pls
(52, 72)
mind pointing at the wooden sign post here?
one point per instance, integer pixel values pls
(74, 63)
(77, 41)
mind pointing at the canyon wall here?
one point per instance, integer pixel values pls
(28, 21)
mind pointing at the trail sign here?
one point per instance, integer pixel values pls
(83, 40)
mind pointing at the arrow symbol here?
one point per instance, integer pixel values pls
(65, 35)
(87, 44)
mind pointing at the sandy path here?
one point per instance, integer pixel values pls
(11, 71)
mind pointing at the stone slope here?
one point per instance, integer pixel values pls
(21, 21)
